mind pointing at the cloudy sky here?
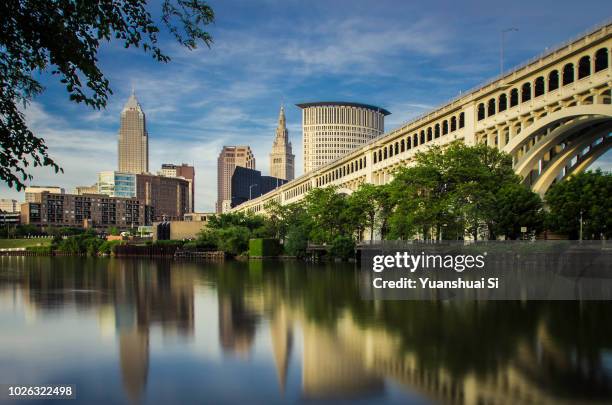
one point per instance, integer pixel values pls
(405, 56)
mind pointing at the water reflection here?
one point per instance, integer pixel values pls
(309, 327)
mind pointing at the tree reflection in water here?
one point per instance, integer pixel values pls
(458, 352)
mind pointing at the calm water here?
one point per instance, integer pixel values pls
(162, 332)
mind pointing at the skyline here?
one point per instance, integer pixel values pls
(230, 95)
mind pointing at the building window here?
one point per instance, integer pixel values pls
(601, 59)
(584, 67)
(553, 80)
(491, 107)
(538, 87)
(503, 102)
(481, 111)
(526, 92)
(513, 97)
(568, 74)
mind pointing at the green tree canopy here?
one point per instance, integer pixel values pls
(586, 195)
(63, 37)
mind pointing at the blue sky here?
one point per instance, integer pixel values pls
(405, 56)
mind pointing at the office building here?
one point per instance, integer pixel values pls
(10, 218)
(249, 183)
(184, 171)
(9, 205)
(81, 190)
(89, 211)
(32, 193)
(332, 129)
(199, 216)
(230, 158)
(116, 184)
(133, 138)
(168, 196)
(282, 160)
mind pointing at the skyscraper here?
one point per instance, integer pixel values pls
(229, 158)
(281, 158)
(185, 171)
(133, 139)
(332, 129)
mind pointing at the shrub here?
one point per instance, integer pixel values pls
(264, 247)
(296, 242)
(233, 240)
(342, 247)
(108, 247)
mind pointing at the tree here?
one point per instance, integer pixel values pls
(585, 195)
(327, 210)
(64, 36)
(517, 206)
(455, 188)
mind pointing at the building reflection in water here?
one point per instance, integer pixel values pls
(344, 347)
(138, 295)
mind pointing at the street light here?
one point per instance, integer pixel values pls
(501, 48)
(250, 188)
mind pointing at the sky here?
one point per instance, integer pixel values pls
(406, 56)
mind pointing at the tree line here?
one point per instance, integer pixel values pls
(450, 193)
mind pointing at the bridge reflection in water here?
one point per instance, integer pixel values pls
(311, 330)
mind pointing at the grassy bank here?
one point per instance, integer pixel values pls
(22, 243)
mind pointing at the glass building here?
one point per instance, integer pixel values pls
(117, 184)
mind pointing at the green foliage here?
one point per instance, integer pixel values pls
(586, 194)
(264, 247)
(113, 230)
(296, 241)
(459, 189)
(517, 206)
(233, 240)
(63, 37)
(342, 247)
(108, 247)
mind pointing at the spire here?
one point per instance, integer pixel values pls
(281, 117)
(132, 102)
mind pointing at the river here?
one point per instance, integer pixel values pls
(163, 331)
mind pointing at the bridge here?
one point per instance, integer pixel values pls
(553, 115)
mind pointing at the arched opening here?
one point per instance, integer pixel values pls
(461, 120)
(422, 137)
(503, 103)
(402, 146)
(601, 59)
(379, 155)
(454, 123)
(444, 127)
(491, 107)
(437, 131)
(513, 97)
(408, 143)
(385, 153)
(429, 134)
(584, 67)
(396, 148)
(538, 88)
(526, 92)
(415, 140)
(481, 111)
(568, 74)
(553, 80)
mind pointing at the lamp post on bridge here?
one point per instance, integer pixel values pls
(501, 48)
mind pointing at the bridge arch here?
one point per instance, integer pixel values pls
(543, 150)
